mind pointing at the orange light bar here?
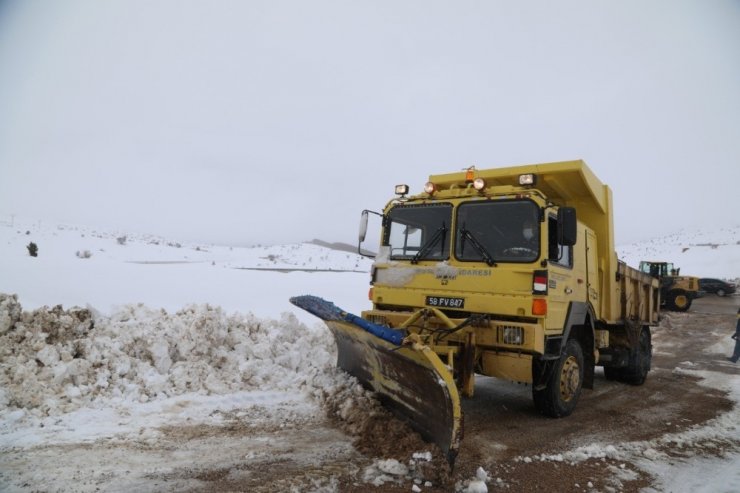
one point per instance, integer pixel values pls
(539, 306)
(470, 174)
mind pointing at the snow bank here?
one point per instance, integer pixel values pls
(64, 370)
(54, 361)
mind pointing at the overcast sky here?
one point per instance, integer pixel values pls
(276, 121)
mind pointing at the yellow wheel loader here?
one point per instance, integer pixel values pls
(676, 292)
(507, 272)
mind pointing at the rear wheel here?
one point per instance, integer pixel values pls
(721, 292)
(640, 359)
(564, 384)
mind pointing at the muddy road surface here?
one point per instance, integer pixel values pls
(503, 431)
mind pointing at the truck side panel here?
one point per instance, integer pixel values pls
(638, 294)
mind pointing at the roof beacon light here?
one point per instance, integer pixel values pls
(470, 174)
(402, 189)
(429, 187)
(528, 179)
(479, 184)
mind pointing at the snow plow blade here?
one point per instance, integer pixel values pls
(408, 377)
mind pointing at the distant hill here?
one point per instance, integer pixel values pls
(701, 253)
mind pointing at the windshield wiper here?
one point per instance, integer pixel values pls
(439, 234)
(467, 235)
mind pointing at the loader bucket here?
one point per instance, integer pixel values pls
(409, 378)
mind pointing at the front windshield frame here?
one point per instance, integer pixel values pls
(427, 220)
(504, 240)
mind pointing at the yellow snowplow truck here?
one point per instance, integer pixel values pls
(676, 292)
(507, 272)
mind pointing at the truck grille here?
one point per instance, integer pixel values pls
(378, 320)
(511, 334)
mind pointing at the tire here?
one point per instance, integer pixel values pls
(721, 292)
(611, 373)
(678, 301)
(640, 360)
(564, 384)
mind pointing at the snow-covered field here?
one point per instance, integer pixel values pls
(125, 268)
(171, 335)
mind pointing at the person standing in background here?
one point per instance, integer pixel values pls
(736, 355)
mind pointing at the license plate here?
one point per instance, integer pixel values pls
(445, 302)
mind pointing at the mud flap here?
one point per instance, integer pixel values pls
(409, 378)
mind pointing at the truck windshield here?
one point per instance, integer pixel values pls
(419, 232)
(506, 230)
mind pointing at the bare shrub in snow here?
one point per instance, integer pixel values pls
(121, 240)
(33, 249)
(83, 254)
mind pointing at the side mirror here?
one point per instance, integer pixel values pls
(363, 225)
(363, 231)
(567, 226)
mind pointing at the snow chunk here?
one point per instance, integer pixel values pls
(392, 466)
(476, 486)
(444, 270)
(384, 471)
(10, 312)
(427, 456)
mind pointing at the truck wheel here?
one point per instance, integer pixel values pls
(611, 373)
(564, 384)
(678, 301)
(640, 359)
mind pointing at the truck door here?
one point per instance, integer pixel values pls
(562, 287)
(592, 268)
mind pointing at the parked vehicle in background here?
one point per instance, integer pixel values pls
(716, 286)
